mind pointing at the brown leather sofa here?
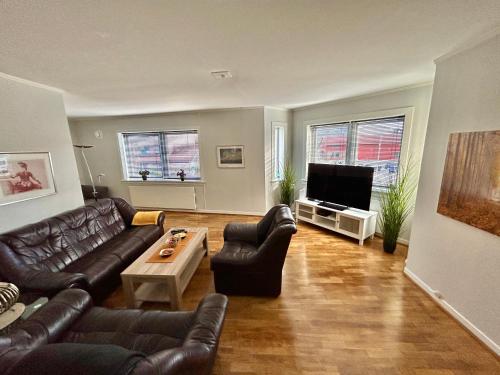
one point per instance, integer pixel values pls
(69, 336)
(251, 260)
(84, 248)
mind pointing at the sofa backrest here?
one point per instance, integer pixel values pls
(275, 231)
(54, 243)
(275, 217)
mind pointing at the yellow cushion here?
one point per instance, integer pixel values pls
(146, 217)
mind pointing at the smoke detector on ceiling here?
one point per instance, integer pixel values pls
(221, 74)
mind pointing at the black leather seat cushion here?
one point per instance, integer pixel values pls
(96, 266)
(232, 254)
(143, 331)
(113, 256)
(149, 234)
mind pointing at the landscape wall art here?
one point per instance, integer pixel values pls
(470, 189)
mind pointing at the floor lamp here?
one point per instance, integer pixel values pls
(82, 148)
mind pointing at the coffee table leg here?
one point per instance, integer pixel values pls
(128, 292)
(205, 244)
(174, 294)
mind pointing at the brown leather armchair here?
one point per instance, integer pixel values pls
(253, 255)
(69, 336)
(83, 248)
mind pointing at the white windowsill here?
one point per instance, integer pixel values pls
(166, 181)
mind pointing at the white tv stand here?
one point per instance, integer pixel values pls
(352, 222)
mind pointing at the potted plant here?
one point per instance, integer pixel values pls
(144, 174)
(181, 174)
(395, 206)
(287, 185)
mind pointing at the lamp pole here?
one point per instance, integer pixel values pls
(82, 148)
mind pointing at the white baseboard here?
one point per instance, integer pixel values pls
(223, 212)
(453, 312)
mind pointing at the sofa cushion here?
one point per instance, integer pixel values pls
(144, 331)
(232, 254)
(97, 266)
(91, 226)
(115, 255)
(149, 234)
(40, 246)
(54, 243)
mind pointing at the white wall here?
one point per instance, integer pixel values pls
(32, 118)
(283, 117)
(445, 255)
(240, 190)
(417, 97)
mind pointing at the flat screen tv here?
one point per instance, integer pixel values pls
(344, 185)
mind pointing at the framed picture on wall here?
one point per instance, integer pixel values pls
(230, 157)
(25, 175)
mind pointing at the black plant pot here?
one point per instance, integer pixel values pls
(389, 246)
(182, 178)
(144, 177)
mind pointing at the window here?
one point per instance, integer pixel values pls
(373, 143)
(278, 151)
(163, 154)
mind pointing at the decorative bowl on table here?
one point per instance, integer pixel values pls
(172, 241)
(166, 252)
(180, 235)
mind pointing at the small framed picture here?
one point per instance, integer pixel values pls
(230, 157)
(26, 175)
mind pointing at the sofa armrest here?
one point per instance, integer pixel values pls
(208, 320)
(128, 212)
(189, 360)
(246, 232)
(197, 354)
(51, 321)
(161, 221)
(52, 281)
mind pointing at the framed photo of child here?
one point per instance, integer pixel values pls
(26, 175)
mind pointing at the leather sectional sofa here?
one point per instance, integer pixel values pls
(84, 248)
(69, 336)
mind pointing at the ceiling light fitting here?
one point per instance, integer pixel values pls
(221, 74)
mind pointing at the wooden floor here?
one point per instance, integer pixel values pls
(344, 309)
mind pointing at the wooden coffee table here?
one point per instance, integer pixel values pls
(164, 282)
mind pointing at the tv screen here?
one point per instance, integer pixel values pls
(341, 184)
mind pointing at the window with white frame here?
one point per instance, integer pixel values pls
(163, 154)
(373, 143)
(278, 151)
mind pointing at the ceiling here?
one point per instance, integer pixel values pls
(121, 57)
